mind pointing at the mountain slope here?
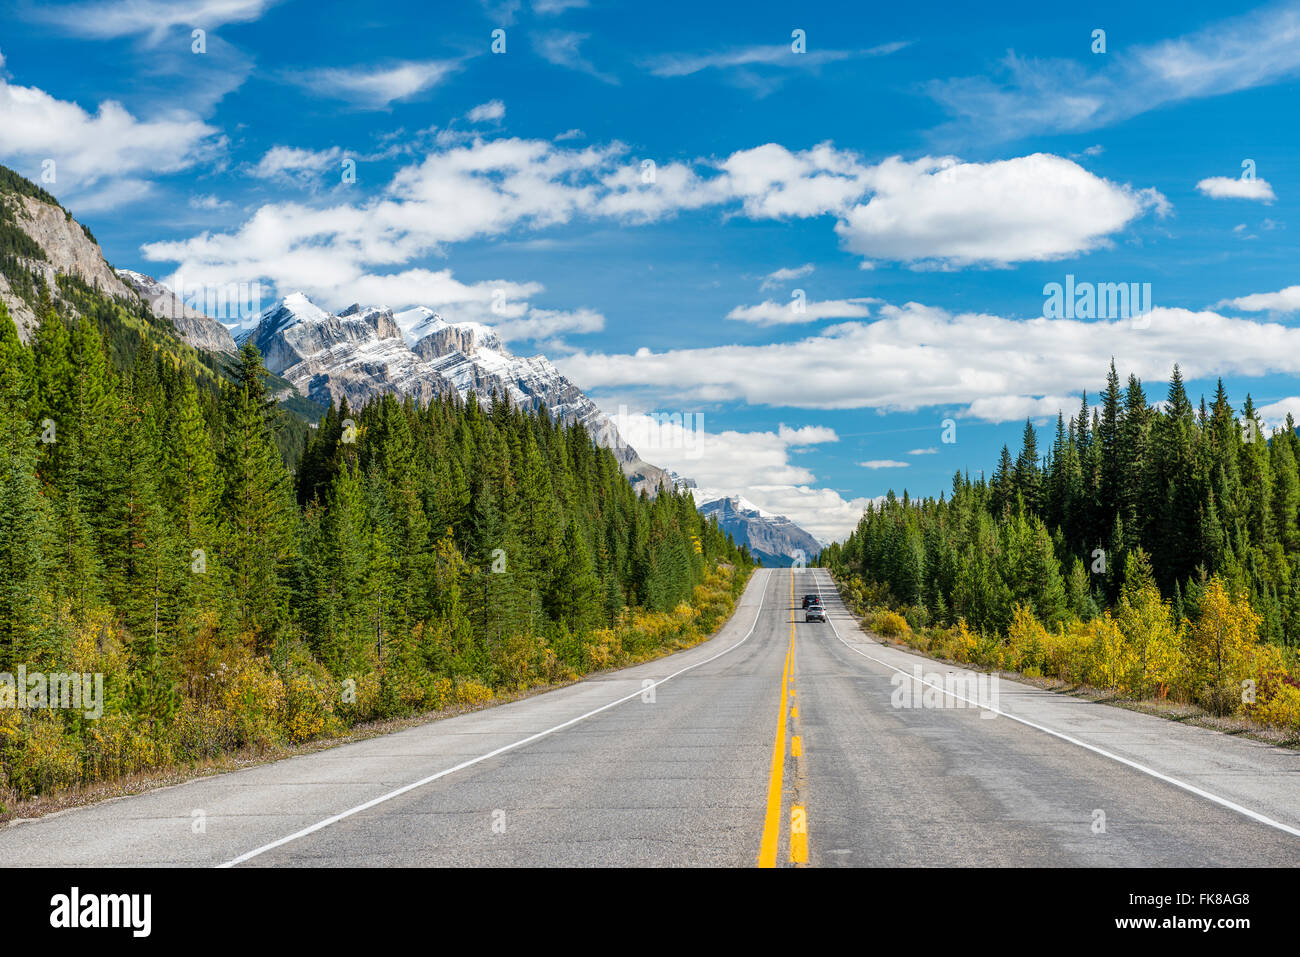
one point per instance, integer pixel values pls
(199, 330)
(362, 353)
(40, 241)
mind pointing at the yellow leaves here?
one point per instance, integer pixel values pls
(891, 625)
(471, 692)
(1278, 702)
(1219, 646)
(1151, 655)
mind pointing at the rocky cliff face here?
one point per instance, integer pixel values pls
(67, 248)
(62, 247)
(199, 330)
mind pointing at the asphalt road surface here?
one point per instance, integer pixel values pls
(776, 743)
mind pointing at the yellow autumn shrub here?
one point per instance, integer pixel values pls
(891, 625)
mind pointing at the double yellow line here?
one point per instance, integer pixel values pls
(798, 814)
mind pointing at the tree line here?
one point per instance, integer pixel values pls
(1132, 516)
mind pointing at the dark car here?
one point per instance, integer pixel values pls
(815, 613)
(811, 600)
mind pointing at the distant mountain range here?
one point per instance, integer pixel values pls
(772, 538)
(360, 353)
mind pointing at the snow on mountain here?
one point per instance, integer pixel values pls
(365, 352)
(773, 538)
(704, 496)
(418, 322)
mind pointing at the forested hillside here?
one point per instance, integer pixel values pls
(240, 579)
(1153, 549)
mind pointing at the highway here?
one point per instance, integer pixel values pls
(776, 743)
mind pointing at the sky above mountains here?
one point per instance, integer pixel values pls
(803, 237)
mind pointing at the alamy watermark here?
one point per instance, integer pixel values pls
(69, 691)
(953, 690)
(230, 301)
(1100, 300)
(671, 430)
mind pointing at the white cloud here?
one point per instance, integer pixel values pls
(119, 18)
(1282, 301)
(106, 148)
(490, 187)
(491, 111)
(806, 435)
(545, 8)
(1228, 187)
(564, 48)
(1030, 208)
(207, 202)
(757, 67)
(777, 54)
(769, 313)
(884, 464)
(375, 88)
(929, 450)
(1041, 97)
(975, 364)
(291, 164)
(755, 465)
(781, 276)
(1273, 415)
(540, 324)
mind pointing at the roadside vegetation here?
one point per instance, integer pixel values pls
(241, 581)
(1153, 552)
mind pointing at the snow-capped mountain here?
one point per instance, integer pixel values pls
(364, 352)
(773, 538)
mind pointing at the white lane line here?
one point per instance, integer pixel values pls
(1193, 789)
(492, 754)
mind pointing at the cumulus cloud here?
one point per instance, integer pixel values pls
(1034, 208)
(1030, 208)
(107, 148)
(754, 465)
(1283, 301)
(979, 365)
(1228, 187)
(1273, 415)
(491, 111)
(294, 165)
(798, 310)
(884, 464)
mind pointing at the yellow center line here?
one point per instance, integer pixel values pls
(772, 822)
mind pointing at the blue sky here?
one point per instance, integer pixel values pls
(919, 178)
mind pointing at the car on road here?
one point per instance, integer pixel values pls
(811, 600)
(815, 613)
